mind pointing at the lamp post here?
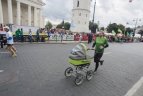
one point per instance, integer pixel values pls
(94, 12)
(136, 22)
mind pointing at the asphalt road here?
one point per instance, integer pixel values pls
(39, 71)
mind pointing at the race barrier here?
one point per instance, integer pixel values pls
(58, 37)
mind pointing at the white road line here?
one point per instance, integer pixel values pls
(4, 52)
(1, 71)
(135, 87)
(107, 53)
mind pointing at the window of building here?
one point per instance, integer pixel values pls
(79, 14)
(85, 22)
(72, 14)
(86, 15)
(78, 3)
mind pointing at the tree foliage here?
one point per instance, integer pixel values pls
(48, 25)
(61, 25)
(115, 27)
(67, 25)
(112, 27)
(93, 27)
(128, 31)
(102, 28)
(122, 28)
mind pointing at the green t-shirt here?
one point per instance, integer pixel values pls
(100, 43)
(17, 33)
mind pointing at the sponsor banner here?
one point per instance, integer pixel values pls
(59, 37)
(25, 29)
(70, 37)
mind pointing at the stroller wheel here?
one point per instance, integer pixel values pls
(78, 69)
(79, 79)
(68, 72)
(89, 75)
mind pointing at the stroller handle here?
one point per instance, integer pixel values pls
(90, 49)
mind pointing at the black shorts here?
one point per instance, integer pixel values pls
(9, 44)
(97, 56)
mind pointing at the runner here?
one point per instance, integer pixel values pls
(10, 42)
(99, 44)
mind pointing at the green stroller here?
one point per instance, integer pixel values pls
(81, 62)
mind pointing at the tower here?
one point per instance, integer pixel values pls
(80, 16)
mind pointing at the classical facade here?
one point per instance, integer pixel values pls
(22, 12)
(80, 16)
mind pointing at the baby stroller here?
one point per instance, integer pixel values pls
(81, 62)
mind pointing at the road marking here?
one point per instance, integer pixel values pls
(1, 71)
(107, 53)
(135, 87)
(4, 52)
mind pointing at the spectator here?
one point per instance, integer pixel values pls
(62, 34)
(21, 35)
(49, 34)
(80, 37)
(37, 35)
(1, 40)
(17, 34)
(1, 27)
(30, 35)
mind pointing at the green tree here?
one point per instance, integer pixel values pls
(128, 31)
(112, 27)
(61, 25)
(67, 25)
(93, 27)
(122, 28)
(48, 25)
(102, 28)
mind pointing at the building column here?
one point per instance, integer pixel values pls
(18, 13)
(1, 13)
(40, 18)
(10, 13)
(29, 15)
(43, 21)
(35, 16)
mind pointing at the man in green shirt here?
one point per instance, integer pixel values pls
(99, 44)
(17, 34)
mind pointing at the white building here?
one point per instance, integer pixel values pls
(22, 12)
(80, 16)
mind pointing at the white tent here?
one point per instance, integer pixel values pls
(137, 36)
(109, 34)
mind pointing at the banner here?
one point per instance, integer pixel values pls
(25, 29)
(58, 37)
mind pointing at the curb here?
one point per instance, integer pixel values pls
(18, 43)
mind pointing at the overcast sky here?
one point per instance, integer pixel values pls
(114, 11)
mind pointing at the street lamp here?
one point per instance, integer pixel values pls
(94, 12)
(136, 22)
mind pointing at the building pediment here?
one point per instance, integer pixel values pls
(35, 3)
(40, 2)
